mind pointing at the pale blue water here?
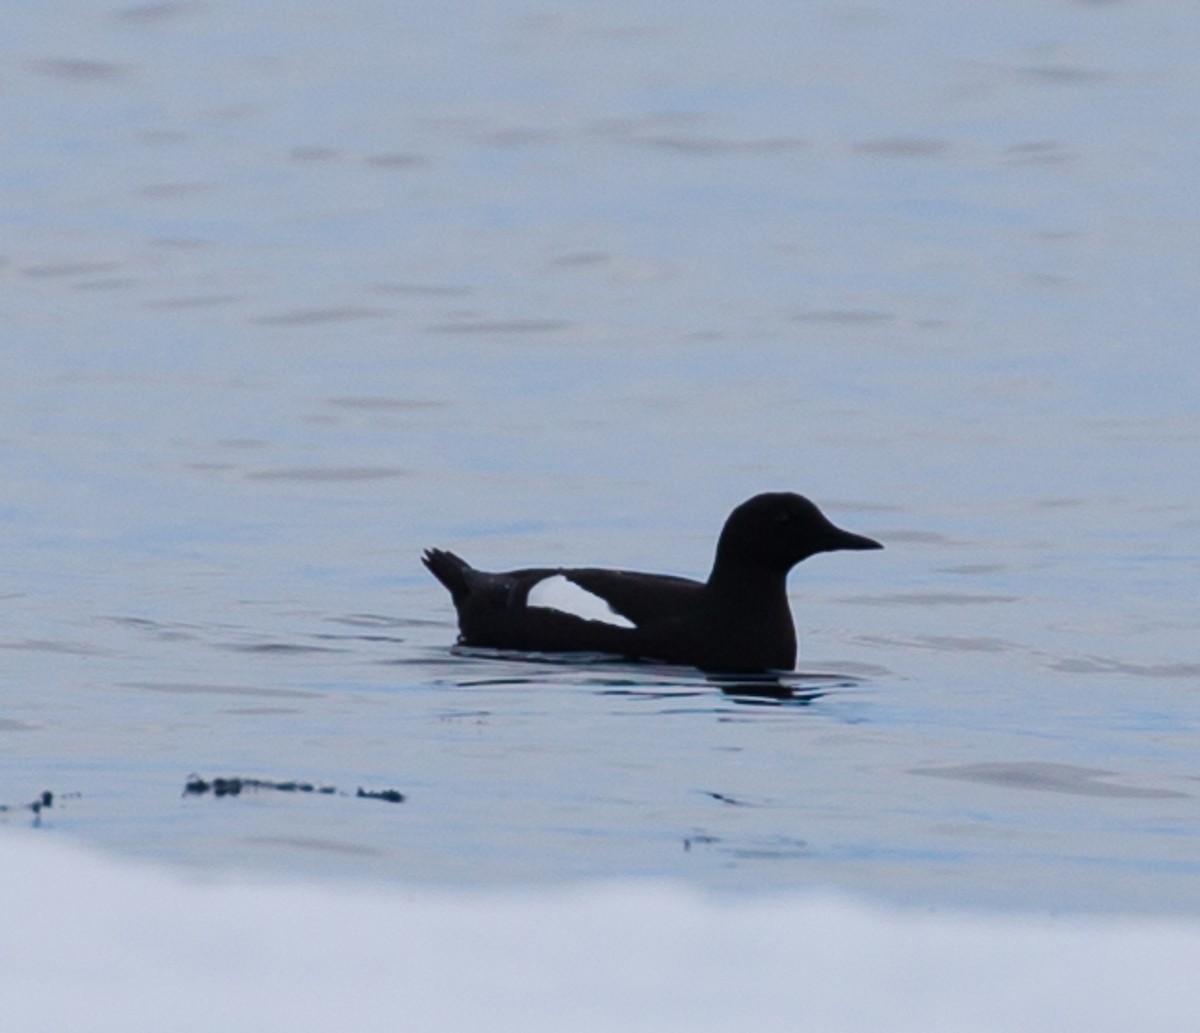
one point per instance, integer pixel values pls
(291, 292)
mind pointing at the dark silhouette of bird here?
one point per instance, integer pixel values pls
(737, 620)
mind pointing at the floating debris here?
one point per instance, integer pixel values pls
(44, 801)
(723, 798)
(233, 786)
(390, 795)
(197, 786)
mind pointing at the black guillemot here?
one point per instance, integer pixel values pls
(737, 620)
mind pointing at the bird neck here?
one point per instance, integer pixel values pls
(747, 582)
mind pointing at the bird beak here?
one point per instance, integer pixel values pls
(839, 539)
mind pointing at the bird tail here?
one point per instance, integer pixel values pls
(450, 570)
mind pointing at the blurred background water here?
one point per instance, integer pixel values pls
(292, 291)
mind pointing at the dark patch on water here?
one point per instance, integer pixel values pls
(44, 799)
(903, 147)
(725, 799)
(854, 316)
(776, 848)
(171, 191)
(194, 689)
(43, 645)
(56, 270)
(385, 403)
(315, 844)
(911, 537)
(374, 620)
(8, 724)
(929, 599)
(397, 161)
(112, 284)
(499, 326)
(275, 647)
(235, 785)
(1068, 75)
(75, 69)
(194, 301)
(1048, 777)
(951, 643)
(160, 13)
(327, 473)
(319, 316)
(42, 802)
(165, 631)
(387, 795)
(687, 143)
(1100, 665)
(422, 290)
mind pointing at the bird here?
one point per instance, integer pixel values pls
(736, 620)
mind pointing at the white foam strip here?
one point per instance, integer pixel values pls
(89, 944)
(557, 593)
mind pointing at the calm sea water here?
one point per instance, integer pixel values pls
(292, 291)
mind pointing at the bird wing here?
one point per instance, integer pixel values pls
(642, 598)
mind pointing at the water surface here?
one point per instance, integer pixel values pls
(290, 293)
